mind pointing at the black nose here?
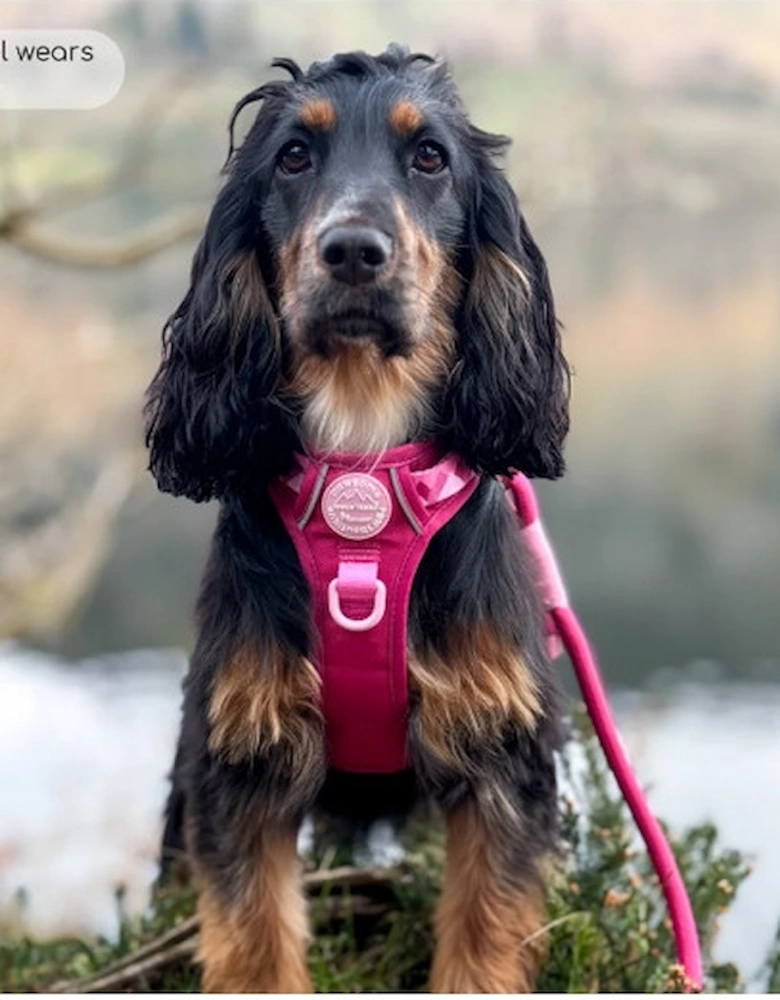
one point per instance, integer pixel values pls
(355, 254)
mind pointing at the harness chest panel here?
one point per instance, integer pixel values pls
(360, 528)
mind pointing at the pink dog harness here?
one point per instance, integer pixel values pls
(335, 509)
(360, 527)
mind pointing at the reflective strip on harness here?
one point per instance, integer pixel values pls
(360, 528)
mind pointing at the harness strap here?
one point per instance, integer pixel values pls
(443, 480)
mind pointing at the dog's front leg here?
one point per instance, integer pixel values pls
(489, 917)
(482, 737)
(256, 773)
(253, 937)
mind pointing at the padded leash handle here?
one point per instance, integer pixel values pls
(591, 683)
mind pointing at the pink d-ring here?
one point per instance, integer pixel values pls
(357, 624)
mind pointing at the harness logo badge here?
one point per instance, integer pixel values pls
(356, 506)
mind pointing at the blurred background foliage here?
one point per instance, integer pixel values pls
(645, 153)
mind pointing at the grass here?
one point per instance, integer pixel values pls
(607, 924)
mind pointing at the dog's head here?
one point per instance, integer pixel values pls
(366, 278)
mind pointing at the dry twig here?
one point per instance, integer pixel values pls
(181, 942)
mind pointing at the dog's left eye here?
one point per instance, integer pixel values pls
(429, 157)
(294, 157)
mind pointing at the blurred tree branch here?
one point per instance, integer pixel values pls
(23, 222)
(58, 249)
(57, 518)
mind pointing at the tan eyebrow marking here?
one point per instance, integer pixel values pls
(318, 114)
(406, 118)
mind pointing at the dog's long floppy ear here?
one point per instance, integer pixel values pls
(507, 405)
(214, 420)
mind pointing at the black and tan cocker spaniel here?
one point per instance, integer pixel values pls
(366, 281)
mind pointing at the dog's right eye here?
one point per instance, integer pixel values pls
(429, 158)
(294, 157)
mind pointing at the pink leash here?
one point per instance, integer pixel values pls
(564, 625)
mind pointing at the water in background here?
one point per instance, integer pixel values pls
(84, 751)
